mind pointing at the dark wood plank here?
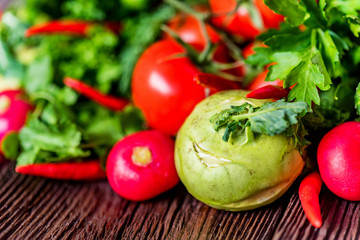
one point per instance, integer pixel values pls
(341, 219)
(33, 208)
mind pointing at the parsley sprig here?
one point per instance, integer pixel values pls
(309, 59)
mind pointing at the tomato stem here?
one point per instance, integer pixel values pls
(201, 17)
(187, 9)
(190, 51)
(215, 82)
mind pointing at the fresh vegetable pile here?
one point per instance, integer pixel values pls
(253, 91)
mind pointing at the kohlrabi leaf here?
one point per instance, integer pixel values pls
(271, 118)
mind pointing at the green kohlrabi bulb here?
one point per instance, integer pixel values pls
(235, 175)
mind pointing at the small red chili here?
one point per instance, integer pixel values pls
(111, 102)
(90, 170)
(269, 91)
(214, 82)
(309, 191)
(68, 27)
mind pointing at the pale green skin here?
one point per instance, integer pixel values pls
(232, 175)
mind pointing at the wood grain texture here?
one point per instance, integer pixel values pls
(37, 208)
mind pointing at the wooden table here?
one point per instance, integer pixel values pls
(37, 208)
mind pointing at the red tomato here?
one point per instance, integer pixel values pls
(188, 28)
(270, 18)
(338, 159)
(141, 166)
(163, 86)
(259, 82)
(239, 23)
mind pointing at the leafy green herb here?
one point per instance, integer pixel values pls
(38, 74)
(60, 142)
(271, 118)
(357, 99)
(337, 106)
(10, 68)
(140, 33)
(292, 9)
(309, 59)
(10, 146)
(56, 132)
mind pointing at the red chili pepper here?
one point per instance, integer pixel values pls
(68, 27)
(269, 91)
(111, 102)
(214, 82)
(309, 191)
(90, 170)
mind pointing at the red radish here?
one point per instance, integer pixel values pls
(13, 111)
(338, 159)
(141, 166)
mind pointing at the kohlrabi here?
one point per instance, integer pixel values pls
(229, 156)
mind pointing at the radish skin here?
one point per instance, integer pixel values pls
(141, 166)
(338, 159)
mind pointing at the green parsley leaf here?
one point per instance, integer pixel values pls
(10, 68)
(293, 11)
(357, 99)
(10, 146)
(309, 75)
(141, 32)
(38, 74)
(60, 141)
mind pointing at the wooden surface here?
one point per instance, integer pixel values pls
(37, 208)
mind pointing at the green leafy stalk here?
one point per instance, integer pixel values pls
(140, 33)
(271, 118)
(309, 60)
(293, 11)
(357, 99)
